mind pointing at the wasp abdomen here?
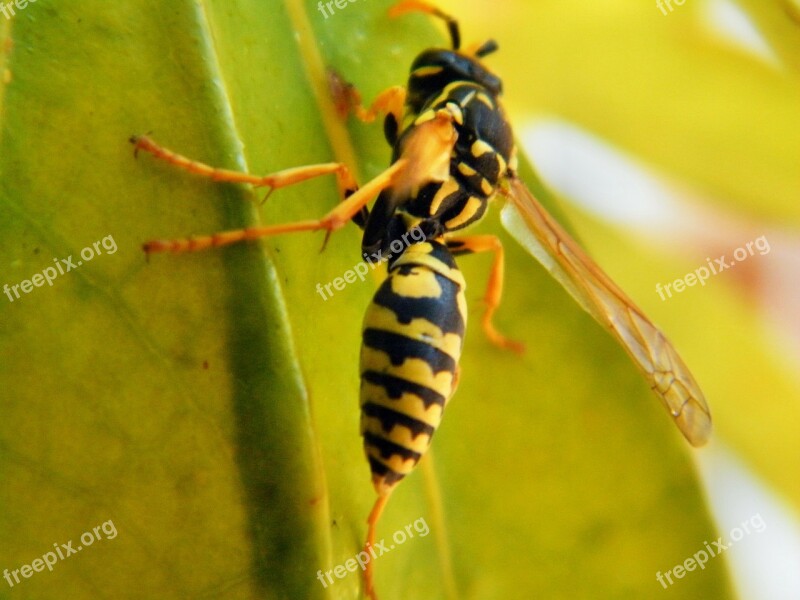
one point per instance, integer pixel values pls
(412, 339)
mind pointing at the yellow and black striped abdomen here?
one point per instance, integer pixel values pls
(412, 339)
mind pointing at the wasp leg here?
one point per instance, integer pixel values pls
(344, 179)
(406, 6)
(389, 102)
(332, 221)
(348, 99)
(494, 288)
(353, 205)
(372, 524)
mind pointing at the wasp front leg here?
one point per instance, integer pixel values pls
(348, 99)
(494, 288)
(390, 102)
(354, 199)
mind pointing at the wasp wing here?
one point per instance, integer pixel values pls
(667, 374)
(428, 148)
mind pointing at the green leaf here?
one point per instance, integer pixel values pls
(207, 404)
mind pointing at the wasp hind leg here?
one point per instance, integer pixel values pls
(354, 198)
(372, 525)
(494, 288)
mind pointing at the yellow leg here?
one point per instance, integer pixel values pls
(354, 199)
(348, 99)
(494, 287)
(332, 221)
(273, 181)
(389, 102)
(372, 525)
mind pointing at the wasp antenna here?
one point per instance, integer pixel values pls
(487, 47)
(416, 5)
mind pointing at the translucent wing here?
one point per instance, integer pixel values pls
(667, 374)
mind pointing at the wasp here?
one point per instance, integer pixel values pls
(453, 152)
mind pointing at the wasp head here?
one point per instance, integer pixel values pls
(434, 69)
